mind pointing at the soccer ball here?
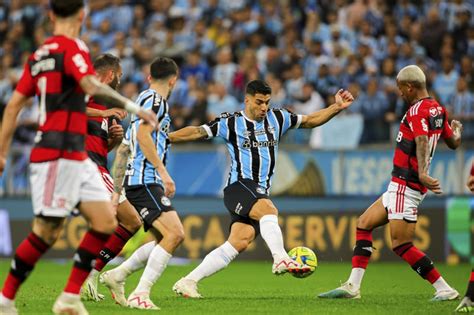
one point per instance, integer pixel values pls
(305, 256)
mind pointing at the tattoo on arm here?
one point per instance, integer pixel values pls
(422, 154)
(120, 166)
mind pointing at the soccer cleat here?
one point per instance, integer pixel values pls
(116, 288)
(289, 265)
(445, 295)
(466, 306)
(89, 290)
(69, 304)
(187, 288)
(345, 291)
(141, 301)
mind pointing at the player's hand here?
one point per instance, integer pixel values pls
(115, 201)
(170, 187)
(344, 98)
(3, 162)
(430, 183)
(457, 127)
(115, 130)
(148, 117)
(117, 112)
(470, 183)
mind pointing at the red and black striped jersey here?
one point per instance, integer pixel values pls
(97, 137)
(53, 73)
(424, 118)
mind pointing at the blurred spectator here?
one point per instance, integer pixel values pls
(461, 105)
(196, 68)
(225, 69)
(219, 101)
(434, 30)
(309, 102)
(445, 82)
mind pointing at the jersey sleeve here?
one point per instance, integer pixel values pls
(418, 123)
(447, 130)
(217, 127)
(77, 61)
(290, 120)
(26, 85)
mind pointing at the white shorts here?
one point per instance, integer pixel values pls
(402, 202)
(109, 185)
(58, 186)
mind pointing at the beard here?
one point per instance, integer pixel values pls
(114, 83)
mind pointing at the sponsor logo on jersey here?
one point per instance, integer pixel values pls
(424, 125)
(165, 201)
(261, 190)
(238, 208)
(144, 212)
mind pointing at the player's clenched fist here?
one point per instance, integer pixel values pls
(344, 98)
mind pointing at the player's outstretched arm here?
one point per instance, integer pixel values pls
(120, 166)
(190, 133)
(106, 95)
(343, 100)
(145, 141)
(13, 108)
(423, 156)
(111, 112)
(455, 141)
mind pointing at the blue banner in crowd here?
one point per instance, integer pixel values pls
(314, 173)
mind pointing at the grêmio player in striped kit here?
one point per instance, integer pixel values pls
(252, 138)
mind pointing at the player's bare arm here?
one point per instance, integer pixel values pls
(13, 108)
(343, 100)
(120, 166)
(106, 95)
(423, 157)
(455, 141)
(145, 141)
(115, 135)
(190, 133)
(111, 112)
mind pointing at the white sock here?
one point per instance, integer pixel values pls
(5, 301)
(157, 262)
(134, 262)
(356, 277)
(93, 273)
(441, 285)
(216, 260)
(271, 234)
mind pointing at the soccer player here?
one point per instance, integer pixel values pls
(148, 187)
(62, 178)
(102, 138)
(420, 129)
(467, 303)
(252, 137)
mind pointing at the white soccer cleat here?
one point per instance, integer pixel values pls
(141, 300)
(187, 288)
(89, 290)
(289, 265)
(116, 288)
(345, 291)
(69, 304)
(8, 309)
(466, 306)
(445, 295)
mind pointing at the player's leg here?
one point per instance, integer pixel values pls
(467, 303)
(402, 233)
(82, 183)
(241, 235)
(45, 232)
(170, 227)
(373, 217)
(129, 223)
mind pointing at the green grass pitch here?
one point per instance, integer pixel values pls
(251, 288)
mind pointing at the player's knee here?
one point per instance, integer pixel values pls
(176, 236)
(240, 245)
(363, 222)
(132, 225)
(106, 226)
(48, 229)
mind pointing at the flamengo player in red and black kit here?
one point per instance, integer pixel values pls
(421, 127)
(102, 138)
(62, 178)
(467, 303)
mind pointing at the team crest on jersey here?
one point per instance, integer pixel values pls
(246, 133)
(433, 111)
(261, 190)
(165, 201)
(271, 129)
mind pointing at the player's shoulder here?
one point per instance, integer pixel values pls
(145, 96)
(227, 115)
(425, 107)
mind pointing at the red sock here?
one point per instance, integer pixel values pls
(26, 256)
(362, 249)
(418, 261)
(470, 287)
(112, 248)
(84, 259)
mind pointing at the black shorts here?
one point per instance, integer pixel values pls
(149, 201)
(239, 198)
